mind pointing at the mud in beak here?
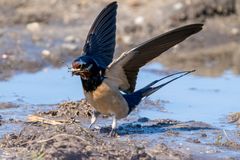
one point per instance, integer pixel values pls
(77, 70)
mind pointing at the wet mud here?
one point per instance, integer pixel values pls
(64, 134)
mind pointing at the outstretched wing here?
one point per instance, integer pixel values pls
(100, 42)
(123, 71)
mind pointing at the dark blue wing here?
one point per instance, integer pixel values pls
(100, 42)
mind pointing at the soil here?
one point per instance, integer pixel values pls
(62, 134)
(70, 140)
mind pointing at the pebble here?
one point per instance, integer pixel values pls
(70, 39)
(33, 27)
(70, 46)
(143, 119)
(127, 39)
(204, 135)
(139, 20)
(178, 6)
(235, 31)
(45, 52)
(4, 56)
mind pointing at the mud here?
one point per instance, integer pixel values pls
(140, 139)
(8, 105)
(72, 141)
(201, 10)
(234, 118)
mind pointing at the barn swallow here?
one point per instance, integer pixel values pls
(109, 85)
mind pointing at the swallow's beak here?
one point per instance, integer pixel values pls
(79, 70)
(76, 68)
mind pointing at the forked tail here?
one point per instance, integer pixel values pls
(149, 89)
(134, 99)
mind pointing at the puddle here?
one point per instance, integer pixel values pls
(189, 101)
(49, 86)
(36, 92)
(193, 97)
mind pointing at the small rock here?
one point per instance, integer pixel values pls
(235, 31)
(143, 119)
(172, 133)
(234, 118)
(33, 27)
(4, 56)
(178, 6)
(45, 52)
(11, 119)
(70, 46)
(204, 135)
(127, 39)
(196, 141)
(97, 127)
(7, 105)
(70, 39)
(139, 20)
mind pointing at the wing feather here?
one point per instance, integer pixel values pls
(124, 70)
(100, 42)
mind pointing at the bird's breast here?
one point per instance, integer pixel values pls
(108, 100)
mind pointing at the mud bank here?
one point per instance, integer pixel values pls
(62, 134)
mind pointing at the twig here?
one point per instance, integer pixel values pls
(34, 118)
(225, 133)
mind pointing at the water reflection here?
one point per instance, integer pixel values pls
(49, 86)
(195, 98)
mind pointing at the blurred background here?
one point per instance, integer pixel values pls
(38, 39)
(38, 34)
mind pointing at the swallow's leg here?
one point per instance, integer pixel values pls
(95, 114)
(114, 127)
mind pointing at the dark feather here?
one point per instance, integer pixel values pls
(147, 51)
(100, 42)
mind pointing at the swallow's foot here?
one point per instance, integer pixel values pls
(90, 126)
(113, 133)
(94, 117)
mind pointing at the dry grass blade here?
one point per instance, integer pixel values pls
(34, 118)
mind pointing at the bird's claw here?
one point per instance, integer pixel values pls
(113, 133)
(90, 126)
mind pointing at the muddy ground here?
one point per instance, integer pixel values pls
(36, 34)
(63, 134)
(50, 33)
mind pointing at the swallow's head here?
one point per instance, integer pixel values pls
(84, 66)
